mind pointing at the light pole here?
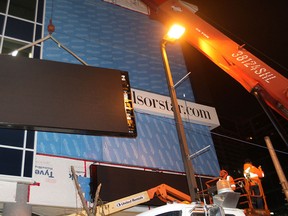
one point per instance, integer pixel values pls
(174, 34)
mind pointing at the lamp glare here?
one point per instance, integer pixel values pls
(14, 53)
(175, 32)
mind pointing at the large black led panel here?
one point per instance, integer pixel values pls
(61, 97)
(119, 182)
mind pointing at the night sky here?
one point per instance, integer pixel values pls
(262, 26)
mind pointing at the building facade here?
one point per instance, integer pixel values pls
(106, 35)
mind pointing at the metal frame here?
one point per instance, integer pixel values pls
(49, 36)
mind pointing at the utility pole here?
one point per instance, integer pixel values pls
(281, 175)
(189, 170)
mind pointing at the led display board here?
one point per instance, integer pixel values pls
(130, 181)
(60, 97)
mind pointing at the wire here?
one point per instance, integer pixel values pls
(204, 133)
(52, 10)
(249, 143)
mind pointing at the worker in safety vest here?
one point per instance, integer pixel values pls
(224, 176)
(253, 175)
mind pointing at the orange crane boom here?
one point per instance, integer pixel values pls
(252, 73)
(164, 192)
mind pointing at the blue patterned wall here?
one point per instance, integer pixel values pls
(105, 35)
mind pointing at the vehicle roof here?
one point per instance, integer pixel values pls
(167, 207)
(180, 206)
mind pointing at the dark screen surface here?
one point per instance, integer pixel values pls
(61, 97)
(121, 182)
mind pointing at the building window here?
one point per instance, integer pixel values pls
(1, 22)
(9, 45)
(19, 29)
(21, 22)
(3, 6)
(23, 9)
(17, 151)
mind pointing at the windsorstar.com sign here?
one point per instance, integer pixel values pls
(156, 104)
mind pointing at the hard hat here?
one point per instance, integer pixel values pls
(247, 160)
(223, 173)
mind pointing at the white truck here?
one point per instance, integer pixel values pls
(177, 204)
(223, 201)
(192, 209)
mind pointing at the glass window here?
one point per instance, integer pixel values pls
(19, 29)
(3, 6)
(37, 52)
(23, 8)
(11, 45)
(30, 140)
(28, 166)
(11, 137)
(1, 23)
(40, 11)
(19, 26)
(15, 159)
(12, 159)
(38, 34)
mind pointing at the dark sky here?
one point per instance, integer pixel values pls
(263, 26)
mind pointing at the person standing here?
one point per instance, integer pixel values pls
(225, 176)
(253, 175)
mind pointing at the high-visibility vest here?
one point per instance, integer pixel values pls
(231, 181)
(252, 173)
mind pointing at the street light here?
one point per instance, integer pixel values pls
(175, 33)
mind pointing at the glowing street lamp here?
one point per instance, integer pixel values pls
(175, 33)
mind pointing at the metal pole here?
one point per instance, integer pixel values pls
(20, 207)
(49, 36)
(191, 180)
(270, 115)
(199, 152)
(181, 80)
(69, 51)
(281, 175)
(32, 44)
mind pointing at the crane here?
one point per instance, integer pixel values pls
(251, 72)
(268, 86)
